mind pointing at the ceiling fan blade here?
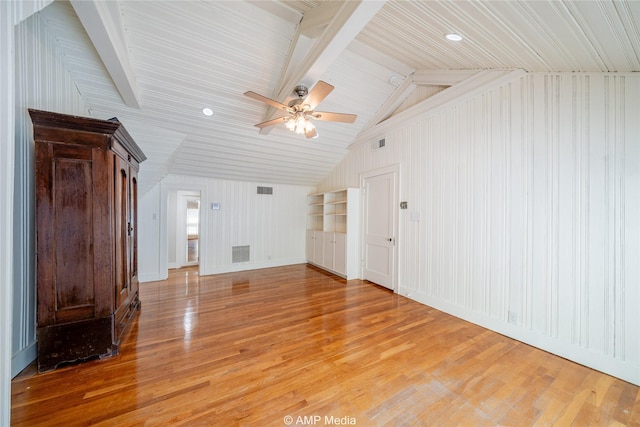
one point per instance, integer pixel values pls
(266, 100)
(317, 94)
(334, 117)
(311, 134)
(271, 122)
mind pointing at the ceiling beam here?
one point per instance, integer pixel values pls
(349, 20)
(393, 102)
(280, 9)
(316, 20)
(101, 21)
(344, 21)
(479, 82)
(415, 79)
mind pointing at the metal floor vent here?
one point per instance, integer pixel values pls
(265, 190)
(240, 254)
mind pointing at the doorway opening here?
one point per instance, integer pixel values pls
(183, 234)
(193, 231)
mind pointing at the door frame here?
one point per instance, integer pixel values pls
(395, 169)
(183, 251)
(164, 226)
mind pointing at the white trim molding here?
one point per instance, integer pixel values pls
(6, 207)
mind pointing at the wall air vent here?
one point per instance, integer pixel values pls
(265, 190)
(379, 144)
(240, 254)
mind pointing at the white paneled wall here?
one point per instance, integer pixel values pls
(529, 196)
(7, 95)
(273, 226)
(41, 82)
(149, 248)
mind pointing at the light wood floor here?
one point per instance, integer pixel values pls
(254, 348)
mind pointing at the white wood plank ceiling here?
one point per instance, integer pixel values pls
(155, 65)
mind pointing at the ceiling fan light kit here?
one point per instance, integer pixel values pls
(299, 123)
(300, 111)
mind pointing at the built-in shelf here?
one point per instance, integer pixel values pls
(333, 231)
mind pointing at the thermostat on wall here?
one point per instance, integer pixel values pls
(215, 206)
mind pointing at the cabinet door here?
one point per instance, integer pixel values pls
(132, 245)
(310, 245)
(68, 187)
(340, 253)
(318, 247)
(329, 244)
(125, 287)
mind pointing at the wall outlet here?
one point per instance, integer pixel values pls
(513, 317)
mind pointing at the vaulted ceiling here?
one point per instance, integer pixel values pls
(156, 65)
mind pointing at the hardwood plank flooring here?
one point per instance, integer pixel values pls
(253, 348)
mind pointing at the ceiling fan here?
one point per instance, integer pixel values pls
(300, 111)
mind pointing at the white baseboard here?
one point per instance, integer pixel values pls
(151, 277)
(23, 358)
(623, 369)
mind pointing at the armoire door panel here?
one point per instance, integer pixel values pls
(104, 241)
(126, 289)
(133, 235)
(73, 234)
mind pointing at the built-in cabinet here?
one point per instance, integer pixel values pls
(315, 247)
(333, 231)
(86, 236)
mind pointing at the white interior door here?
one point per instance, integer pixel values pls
(379, 228)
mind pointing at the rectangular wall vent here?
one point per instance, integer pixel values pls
(265, 190)
(379, 144)
(240, 254)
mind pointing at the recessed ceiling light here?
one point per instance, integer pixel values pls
(454, 37)
(207, 111)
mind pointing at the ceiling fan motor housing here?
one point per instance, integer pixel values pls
(297, 105)
(301, 91)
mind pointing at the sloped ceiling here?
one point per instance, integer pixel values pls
(155, 65)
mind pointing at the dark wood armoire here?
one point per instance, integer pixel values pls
(86, 236)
